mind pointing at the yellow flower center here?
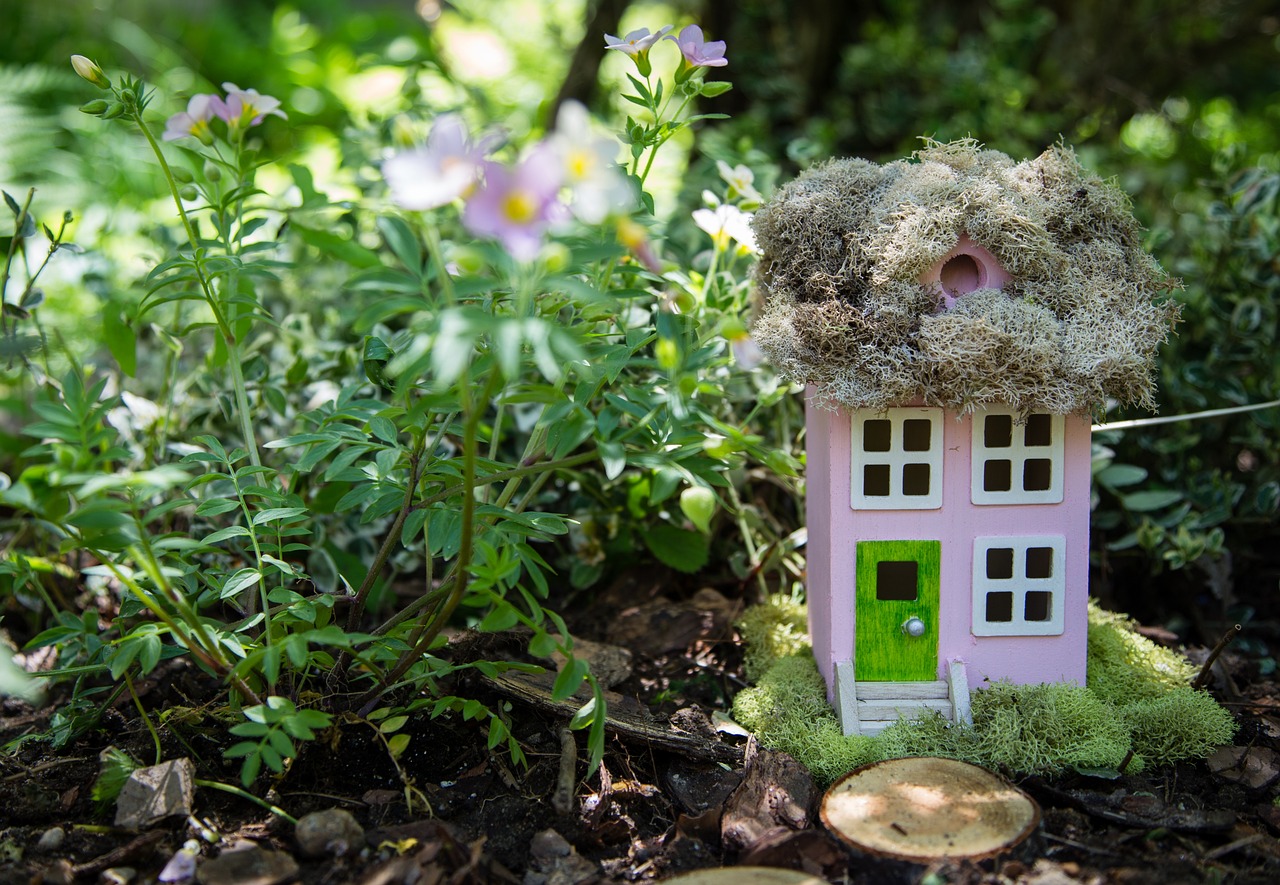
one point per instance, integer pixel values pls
(579, 165)
(519, 207)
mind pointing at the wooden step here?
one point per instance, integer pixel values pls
(907, 708)
(878, 691)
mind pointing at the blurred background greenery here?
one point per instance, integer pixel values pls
(1179, 100)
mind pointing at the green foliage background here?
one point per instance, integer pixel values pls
(1180, 101)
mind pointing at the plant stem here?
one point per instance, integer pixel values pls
(245, 794)
(8, 261)
(393, 535)
(137, 702)
(228, 335)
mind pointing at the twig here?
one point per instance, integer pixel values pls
(562, 799)
(1203, 678)
(1223, 850)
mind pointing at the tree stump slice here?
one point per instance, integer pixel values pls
(925, 809)
(747, 876)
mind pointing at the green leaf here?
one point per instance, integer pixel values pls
(682, 550)
(715, 87)
(338, 247)
(1144, 502)
(383, 429)
(238, 581)
(120, 339)
(231, 531)
(403, 241)
(569, 678)
(278, 514)
(397, 745)
(392, 725)
(1119, 475)
(503, 617)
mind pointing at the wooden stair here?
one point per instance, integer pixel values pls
(870, 707)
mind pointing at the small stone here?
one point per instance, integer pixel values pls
(333, 831)
(249, 865)
(549, 845)
(118, 876)
(154, 793)
(51, 839)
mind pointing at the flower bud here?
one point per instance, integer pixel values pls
(188, 193)
(95, 107)
(556, 257)
(212, 171)
(114, 109)
(183, 174)
(90, 71)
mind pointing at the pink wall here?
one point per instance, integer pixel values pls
(835, 528)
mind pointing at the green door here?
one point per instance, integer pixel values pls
(897, 611)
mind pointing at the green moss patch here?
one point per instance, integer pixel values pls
(1138, 709)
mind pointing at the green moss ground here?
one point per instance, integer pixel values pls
(1137, 710)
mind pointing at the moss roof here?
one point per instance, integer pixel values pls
(843, 248)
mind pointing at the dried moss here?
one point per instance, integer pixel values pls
(843, 247)
(1137, 700)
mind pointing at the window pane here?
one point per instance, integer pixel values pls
(1000, 607)
(875, 435)
(1039, 562)
(916, 433)
(1038, 430)
(1000, 563)
(1036, 474)
(915, 479)
(875, 480)
(997, 432)
(1039, 606)
(997, 476)
(897, 581)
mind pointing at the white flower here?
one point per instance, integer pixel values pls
(589, 166)
(439, 172)
(726, 223)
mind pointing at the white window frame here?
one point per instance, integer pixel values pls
(896, 459)
(1017, 453)
(1019, 585)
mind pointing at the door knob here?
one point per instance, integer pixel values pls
(913, 627)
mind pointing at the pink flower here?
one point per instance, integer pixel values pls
(518, 206)
(440, 171)
(248, 107)
(194, 122)
(697, 52)
(636, 42)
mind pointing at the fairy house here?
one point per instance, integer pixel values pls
(955, 318)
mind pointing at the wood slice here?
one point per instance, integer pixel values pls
(925, 809)
(748, 876)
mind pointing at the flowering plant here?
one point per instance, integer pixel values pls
(516, 347)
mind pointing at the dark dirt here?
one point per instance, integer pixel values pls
(455, 812)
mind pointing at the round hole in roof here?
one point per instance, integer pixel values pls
(966, 268)
(961, 274)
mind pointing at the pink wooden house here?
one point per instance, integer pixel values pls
(945, 549)
(948, 528)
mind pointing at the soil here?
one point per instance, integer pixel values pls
(679, 790)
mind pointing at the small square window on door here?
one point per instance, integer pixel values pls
(896, 459)
(1017, 460)
(1018, 585)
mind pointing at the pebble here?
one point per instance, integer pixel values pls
(51, 839)
(332, 831)
(118, 876)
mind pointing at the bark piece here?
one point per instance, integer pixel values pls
(776, 791)
(748, 876)
(627, 719)
(925, 809)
